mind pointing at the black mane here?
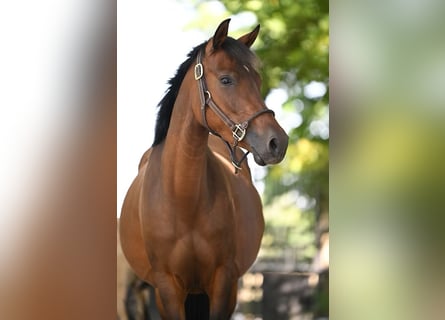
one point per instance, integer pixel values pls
(232, 47)
(168, 101)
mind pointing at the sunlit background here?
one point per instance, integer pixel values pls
(149, 52)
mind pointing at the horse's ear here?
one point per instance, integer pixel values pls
(221, 34)
(249, 38)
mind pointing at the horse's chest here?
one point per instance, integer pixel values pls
(206, 237)
(196, 254)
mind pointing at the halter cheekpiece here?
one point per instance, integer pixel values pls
(238, 129)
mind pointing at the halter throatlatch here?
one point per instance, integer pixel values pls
(238, 129)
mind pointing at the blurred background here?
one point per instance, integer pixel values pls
(387, 177)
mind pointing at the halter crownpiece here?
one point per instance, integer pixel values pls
(238, 130)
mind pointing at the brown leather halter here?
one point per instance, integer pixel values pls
(238, 130)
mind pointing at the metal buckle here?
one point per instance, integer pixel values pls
(199, 71)
(239, 132)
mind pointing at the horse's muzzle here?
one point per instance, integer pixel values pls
(270, 148)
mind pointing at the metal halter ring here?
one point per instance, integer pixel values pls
(208, 94)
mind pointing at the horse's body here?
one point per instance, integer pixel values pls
(189, 224)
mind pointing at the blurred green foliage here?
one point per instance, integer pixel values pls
(288, 227)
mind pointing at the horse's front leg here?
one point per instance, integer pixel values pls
(223, 294)
(169, 298)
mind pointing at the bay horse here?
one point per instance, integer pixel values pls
(192, 222)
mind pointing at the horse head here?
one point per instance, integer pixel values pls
(229, 85)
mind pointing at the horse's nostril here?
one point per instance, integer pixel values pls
(273, 145)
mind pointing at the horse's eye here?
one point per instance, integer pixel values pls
(226, 80)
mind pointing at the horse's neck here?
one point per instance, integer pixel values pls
(184, 158)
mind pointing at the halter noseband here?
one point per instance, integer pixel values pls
(238, 129)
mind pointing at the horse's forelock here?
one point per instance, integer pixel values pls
(240, 53)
